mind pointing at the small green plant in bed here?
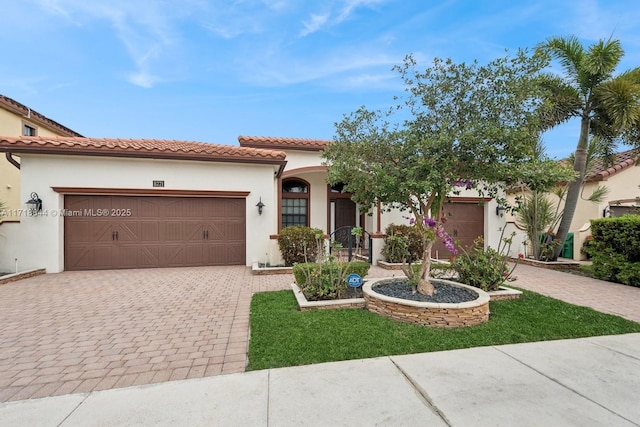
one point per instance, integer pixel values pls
(283, 336)
(326, 280)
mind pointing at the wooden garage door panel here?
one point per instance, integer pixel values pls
(159, 232)
(465, 222)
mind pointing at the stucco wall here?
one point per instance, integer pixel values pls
(9, 235)
(301, 159)
(41, 239)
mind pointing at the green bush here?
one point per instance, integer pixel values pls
(587, 247)
(300, 244)
(484, 269)
(326, 280)
(615, 250)
(402, 240)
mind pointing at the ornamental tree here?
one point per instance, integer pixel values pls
(457, 126)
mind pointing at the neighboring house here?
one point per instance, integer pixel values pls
(19, 120)
(122, 203)
(621, 178)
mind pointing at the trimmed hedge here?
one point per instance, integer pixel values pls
(295, 241)
(615, 250)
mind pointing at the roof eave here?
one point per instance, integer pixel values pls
(284, 147)
(145, 155)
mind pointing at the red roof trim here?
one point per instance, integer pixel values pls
(279, 143)
(140, 148)
(32, 115)
(621, 161)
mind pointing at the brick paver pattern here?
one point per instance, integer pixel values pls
(607, 297)
(78, 332)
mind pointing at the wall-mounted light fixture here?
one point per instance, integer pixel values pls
(34, 204)
(260, 205)
(500, 211)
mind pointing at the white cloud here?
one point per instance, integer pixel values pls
(337, 13)
(341, 67)
(349, 6)
(314, 24)
(143, 79)
(145, 28)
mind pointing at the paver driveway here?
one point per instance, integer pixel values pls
(81, 331)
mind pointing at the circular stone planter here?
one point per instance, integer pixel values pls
(445, 315)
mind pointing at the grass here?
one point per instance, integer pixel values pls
(283, 336)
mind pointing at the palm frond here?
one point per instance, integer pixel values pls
(561, 101)
(602, 58)
(619, 97)
(599, 194)
(568, 51)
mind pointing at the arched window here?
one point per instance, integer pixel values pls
(295, 202)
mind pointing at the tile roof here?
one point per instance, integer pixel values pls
(145, 148)
(283, 143)
(602, 169)
(22, 110)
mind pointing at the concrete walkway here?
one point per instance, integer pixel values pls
(583, 382)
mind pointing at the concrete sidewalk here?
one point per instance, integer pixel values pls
(583, 382)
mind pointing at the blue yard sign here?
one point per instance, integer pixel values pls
(354, 280)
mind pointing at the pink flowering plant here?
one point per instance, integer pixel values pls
(457, 127)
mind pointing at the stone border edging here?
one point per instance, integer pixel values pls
(445, 315)
(21, 275)
(255, 269)
(504, 293)
(305, 305)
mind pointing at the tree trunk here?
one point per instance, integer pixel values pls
(573, 193)
(424, 285)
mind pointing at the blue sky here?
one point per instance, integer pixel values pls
(211, 70)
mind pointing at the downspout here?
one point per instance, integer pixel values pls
(11, 160)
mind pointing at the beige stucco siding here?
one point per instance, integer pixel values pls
(11, 125)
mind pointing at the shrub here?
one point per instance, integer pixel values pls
(587, 245)
(402, 240)
(321, 281)
(615, 249)
(300, 244)
(396, 248)
(482, 268)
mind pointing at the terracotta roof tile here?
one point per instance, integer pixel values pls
(28, 113)
(602, 169)
(150, 148)
(283, 143)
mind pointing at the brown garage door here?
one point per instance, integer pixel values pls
(465, 222)
(104, 232)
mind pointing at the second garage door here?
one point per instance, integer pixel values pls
(465, 223)
(105, 232)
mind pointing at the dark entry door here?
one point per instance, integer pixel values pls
(345, 216)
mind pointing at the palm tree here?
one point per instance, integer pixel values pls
(608, 106)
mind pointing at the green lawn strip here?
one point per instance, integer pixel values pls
(283, 336)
